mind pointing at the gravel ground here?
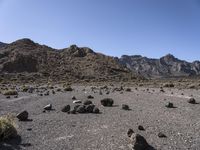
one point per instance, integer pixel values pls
(55, 130)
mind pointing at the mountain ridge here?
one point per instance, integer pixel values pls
(72, 64)
(166, 66)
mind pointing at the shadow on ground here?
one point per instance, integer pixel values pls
(12, 144)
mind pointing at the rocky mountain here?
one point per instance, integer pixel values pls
(2, 44)
(167, 66)
(27, 60)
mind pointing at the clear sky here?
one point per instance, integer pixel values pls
(151, 28)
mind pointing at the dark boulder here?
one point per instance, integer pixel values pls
(107, 102)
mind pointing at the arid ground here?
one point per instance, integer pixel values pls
(56, 130)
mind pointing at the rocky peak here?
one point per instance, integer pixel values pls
(76, 51)
(168, 57)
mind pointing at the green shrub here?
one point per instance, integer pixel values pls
(7, 128)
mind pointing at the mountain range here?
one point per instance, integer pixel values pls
(27, 58)
(166, 66)
(24, 58)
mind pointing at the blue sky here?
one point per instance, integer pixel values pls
(151, 28)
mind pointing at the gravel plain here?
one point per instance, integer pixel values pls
(55, 130)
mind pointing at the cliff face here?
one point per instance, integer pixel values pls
(166, 66)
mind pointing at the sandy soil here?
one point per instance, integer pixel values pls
(56, 130)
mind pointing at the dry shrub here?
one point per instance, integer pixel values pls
(7, 127)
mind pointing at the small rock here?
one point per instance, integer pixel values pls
(66, 108)
(130, 132)
(107, 102)
(192, 101)
(16, 96)
(53, 92)
(139, 142)
(81, 109)
(169, 105)
(108, 92)
(48, 107)
(128, 90)
(23, 116)
(161, 135)
(73, 98)
(89, 108)
(96, 110)
(141, 128)
(29, 129)
(77, 101)
(90, 97)
(46, 94)
(125, 107)
(7, 97)
(87, 102)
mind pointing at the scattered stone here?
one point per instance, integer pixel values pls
(29, 129)
(89, 108)
(16, 96)
(161, 135)
(59, 90)
(53, 92)
(22, 116)
(128, 90)
(108, 92)
(73, 98)
(46, 94)
(69, 89)
(139, 142)
(168, 85)
(125, 107)
(66, 108)
(87, 102)
(96, 110)
(141, 128)
(48, 107)
(192, 101)
(90, 97)
(107, 102)
(130, 132)
(77, 101)
(169, 105)
(81, 109)
(7, 97)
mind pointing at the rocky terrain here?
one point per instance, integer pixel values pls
(167, 66)
(2, 44)
(27, 61)
(77, 99)
(137, 118)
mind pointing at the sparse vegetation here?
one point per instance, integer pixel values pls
(7, 128)
(68, 88)
(10, 92)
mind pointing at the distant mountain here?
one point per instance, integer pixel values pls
(25, 57)
(2, 44)
(167, 66)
